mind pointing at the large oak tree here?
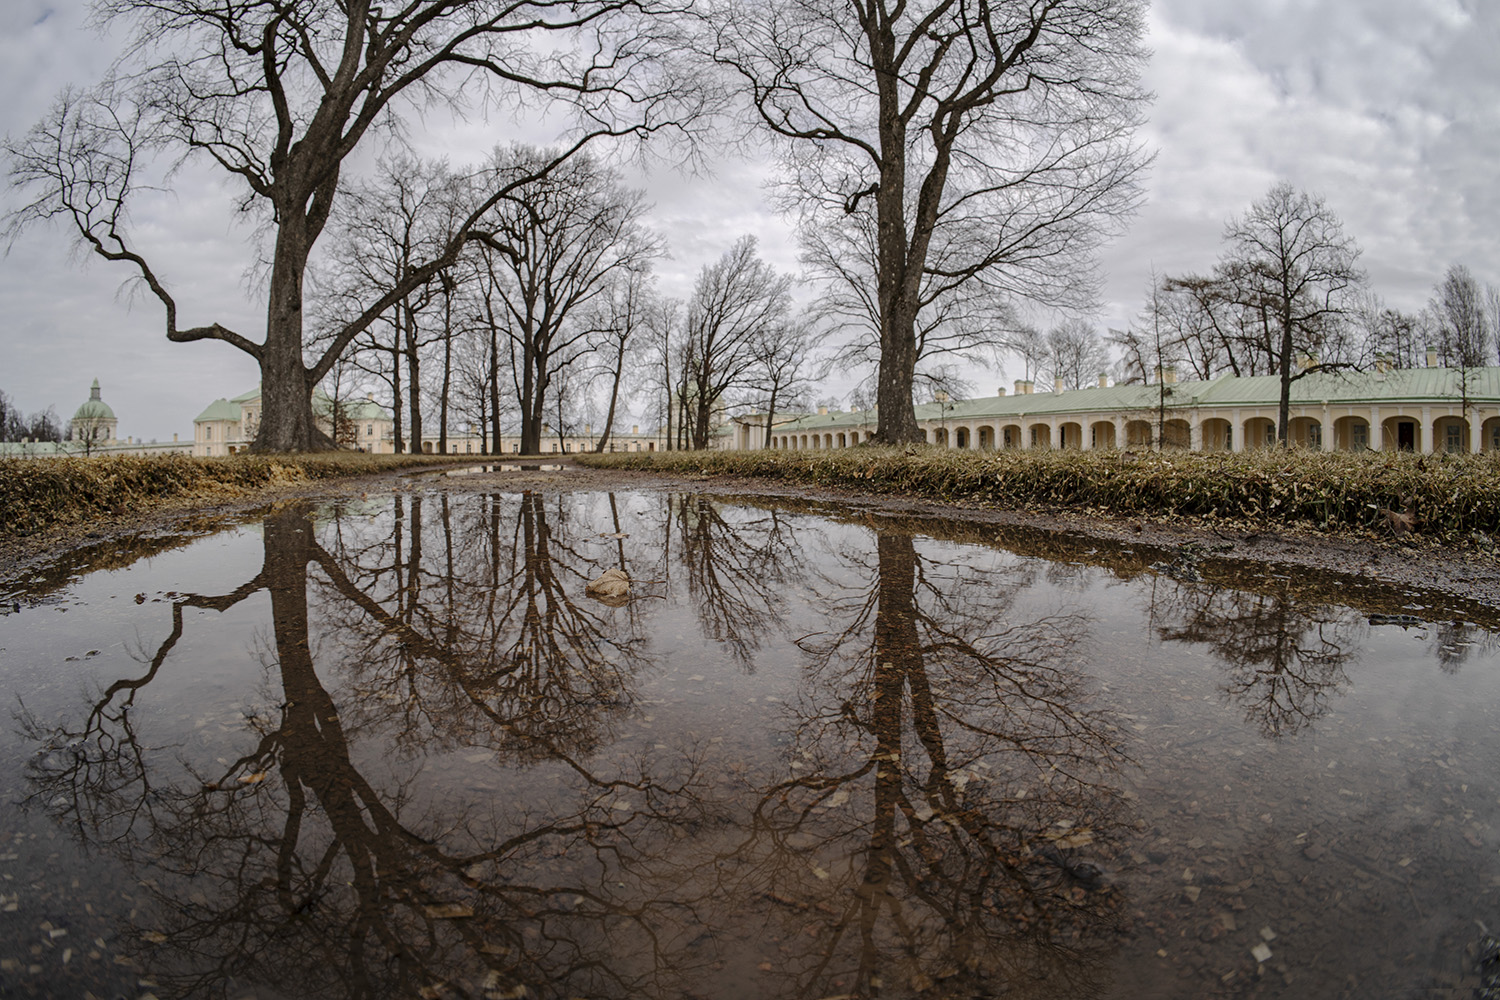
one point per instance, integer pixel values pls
(990, 142)
(281, 93)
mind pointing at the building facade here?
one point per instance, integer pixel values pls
(229, 426)
(1423, 410)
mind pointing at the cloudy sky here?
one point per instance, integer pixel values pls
(1389, 109)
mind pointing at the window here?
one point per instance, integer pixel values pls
(468, 447)
(516, 447)
(1454, 435)
(369, 430)
(1359, 437)
(1315, 436)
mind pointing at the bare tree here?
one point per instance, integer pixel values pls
(785, 370)
(1290, 271)
(15, 425)
(1075, 354)
(1461, 324)
(623, 313)
(990, 142)
(566, 236)
(281, 93)
(735, 302)
(395, 223)
(966, 326)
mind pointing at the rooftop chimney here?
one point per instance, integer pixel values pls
(822, 411)
(1431, 356)
(1166, 374)
(1001, 391)
(1104, 380)
(635, 428)
(174, 437)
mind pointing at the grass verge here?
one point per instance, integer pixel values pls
(1455, 497)
(40, 493)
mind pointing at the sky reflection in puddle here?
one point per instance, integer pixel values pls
(390, 748)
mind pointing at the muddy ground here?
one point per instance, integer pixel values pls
(1470, 574)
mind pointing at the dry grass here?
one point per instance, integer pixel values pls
(39, 493)
(1455, 497)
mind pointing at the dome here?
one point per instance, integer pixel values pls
(94, 408)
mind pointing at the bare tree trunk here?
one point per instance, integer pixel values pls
(413, 377)
(614, 397)
(494, 391)
(287, 423)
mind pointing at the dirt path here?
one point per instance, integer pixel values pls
(1470, 576)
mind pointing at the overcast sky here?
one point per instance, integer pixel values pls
(1389, 109)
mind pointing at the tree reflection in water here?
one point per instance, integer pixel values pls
(1285, 656)
(292, 867)
(941, 831)
(945, 838)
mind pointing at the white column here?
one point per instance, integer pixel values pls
(1476, 426)
(1195, 436)
(1236, 431)
(1424, 432)
(1119, 423)
(1377, 430)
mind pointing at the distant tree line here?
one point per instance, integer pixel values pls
(15, 425)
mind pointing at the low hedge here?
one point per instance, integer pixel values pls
(1455, 497)
(37, 493)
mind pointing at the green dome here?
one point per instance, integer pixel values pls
(94, 408)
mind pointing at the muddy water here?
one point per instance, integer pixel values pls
(392, 749)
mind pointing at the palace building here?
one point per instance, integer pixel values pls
(1424, 410)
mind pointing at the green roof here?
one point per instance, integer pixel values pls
(94, 408)
(219, 409)
(358, 408)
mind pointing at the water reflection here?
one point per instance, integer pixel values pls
(808, 757)
(1285, 658)
(431, 794)
(292, 866)
(960, 787)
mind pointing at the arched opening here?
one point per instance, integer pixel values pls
(427, 447)
(940, 437)
(986, 439)
(1260, 432)
(1304, 432)
(1010, 436)
(1351, 434)
(1450, 434)
(1489, 435)
(1218, 434)
(843, 442)
(1102, 434)
(1041, 436)
(1138, 434)
(1070, 435)
(828, 441)
(961, 437)
(1177, 433)
(1400, 433)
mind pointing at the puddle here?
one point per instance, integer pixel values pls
(392, 748)
(476, 470)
